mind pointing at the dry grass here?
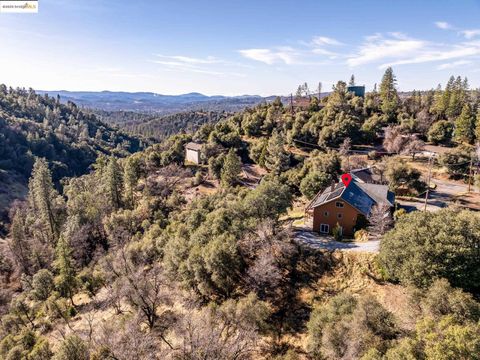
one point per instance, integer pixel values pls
(357, 274)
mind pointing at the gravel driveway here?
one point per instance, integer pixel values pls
(316, 241)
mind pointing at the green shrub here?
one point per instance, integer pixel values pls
(337, 232)
(42, 285)
(72, 348)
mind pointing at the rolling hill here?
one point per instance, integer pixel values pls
(34, 125)
(152, 102)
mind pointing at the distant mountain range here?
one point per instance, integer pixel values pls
(152, 102)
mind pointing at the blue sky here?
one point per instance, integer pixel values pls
(238, 47)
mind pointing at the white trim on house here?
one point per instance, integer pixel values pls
(325, 227)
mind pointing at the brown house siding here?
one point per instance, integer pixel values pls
(348, 220)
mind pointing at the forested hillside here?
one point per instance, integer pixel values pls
(33, 126)
(161, 127)
(150, 257)
(148, 102)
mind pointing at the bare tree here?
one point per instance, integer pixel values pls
(380, 220)
(397, 142)
(379, 169)
(345, 147)
(394, 140)
(357, 162)
(267, 252)
(425, 120)
(165, 180)
(228, 332)
(412, 146)
(144, 289)
(125, 340)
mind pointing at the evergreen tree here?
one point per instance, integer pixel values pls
(231, 168)
(438, 107)
(66, 280)
(276, 158)
(388, 93)
(457, 98)
(43, 199)
(465, 125)
(447, 94)
(19, 244)
(440, 132)
(114, 183)
(131, 177)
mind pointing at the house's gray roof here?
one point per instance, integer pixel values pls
(194, 146)
(361, 196)
(366, 175)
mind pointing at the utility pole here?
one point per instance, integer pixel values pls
(319, 90)
(430, 162)
(291, 102)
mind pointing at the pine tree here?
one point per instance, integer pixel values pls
(388, 93)
(18, 243)
(114, 183)
(447, 94)
(438, 106)
(276, 158)
(465, 125)
(131, 177)
(43, 198)
(457, 98)
(66, 280)
(231, 168)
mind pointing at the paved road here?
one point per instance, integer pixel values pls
(447, 189)
(313, 240)
(439, 198)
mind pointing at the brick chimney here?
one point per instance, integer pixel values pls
(332, 187)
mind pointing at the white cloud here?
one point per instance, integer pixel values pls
(443, 25)
(323, 40)
(469, 34)
(399, 49)
(439, 54)
(192, 64)
(306, 54)
(187, 60)
(284, 54)
(377, 47)
(453, 64)
(321, 51)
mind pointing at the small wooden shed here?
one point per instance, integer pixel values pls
(192, 152)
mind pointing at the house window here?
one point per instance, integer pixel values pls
(324, 228)
(326, 214)
(339, 215)
(339, 204)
